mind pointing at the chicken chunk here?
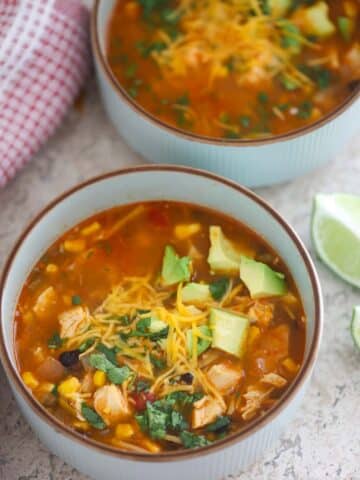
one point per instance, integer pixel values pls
(274, 379)
(111, 405)
(45, 302)
(72, 322)
(224, 377)
(205, 411)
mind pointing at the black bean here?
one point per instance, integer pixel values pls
(353, 85)
(187, 378)
(69, 358)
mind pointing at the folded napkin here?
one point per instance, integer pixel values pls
(44, 59)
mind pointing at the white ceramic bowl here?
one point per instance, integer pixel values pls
(227, 456)
(252, 163)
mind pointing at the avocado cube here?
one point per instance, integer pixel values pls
(196, 293)
(229, 331)
(260, 279)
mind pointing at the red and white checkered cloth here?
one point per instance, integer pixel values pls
(44, 59)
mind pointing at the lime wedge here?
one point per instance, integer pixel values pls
(336, 234)
(355, 325)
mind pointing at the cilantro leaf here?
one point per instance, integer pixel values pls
(116, 375)
(55, 341)
(290, 36)
(157, 421)
(142, 386)
(220, 424)
(87, 344)
(158, 363)
(191, 440)
(92, 417)
(178, 422)
(218, 288)
(110, 353)
(174, 268)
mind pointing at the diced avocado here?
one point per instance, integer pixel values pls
(223, 256)
(196, 293)
(202, 343)
(229, 331)
(260, 279)
(346, 27)
(174, 269)
(156, 325)
(279, 8)
(317, 21)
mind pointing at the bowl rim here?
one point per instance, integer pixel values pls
(253, 426)
(102, 63)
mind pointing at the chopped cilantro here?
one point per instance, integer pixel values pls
(55, 341)
(263, 97)
(87, 344)
(290, 36)
(116, 375)
(245, 121)
(158, 363)
(219, 287)
(191, 440)
(142, 386)
(76, 300)
(54, 391)
(305, 110)
(288, 83)
(110, 353)
(345, 27)
(220, 424)
(92, 417)
(183, 100)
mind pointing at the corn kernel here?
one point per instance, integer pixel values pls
(69, 386)
(124, 430)
(74, 246)
(254, 333)
(83, 426)
(90, 229)
(150, 445)
(183, 231)
(99, 378)
(30, 380)
(52, 268)
(64, 404)
(290, 365)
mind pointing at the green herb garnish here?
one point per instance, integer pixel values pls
(76, 300)
(116, 375)
(92, 417)
(219, 287)
(191, 440)
(305, 110)
(55, 341)
(87, 344)
(158, 363)
(220, 423)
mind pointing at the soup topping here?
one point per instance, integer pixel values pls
(159, 326)
(236, 68)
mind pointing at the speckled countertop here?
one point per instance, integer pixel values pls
(324, 440)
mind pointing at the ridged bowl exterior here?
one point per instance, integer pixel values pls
(251, 165)
(228, 456)
(214, 466)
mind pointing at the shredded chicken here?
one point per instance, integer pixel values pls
(274, 379)
(224, 377)
(111, 405)
(205, 411)
(45, 301)
(254, 398)
(73, 322)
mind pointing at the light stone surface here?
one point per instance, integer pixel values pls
(324, 440)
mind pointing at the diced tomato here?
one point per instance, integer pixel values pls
(141, 399)
(158, 218)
